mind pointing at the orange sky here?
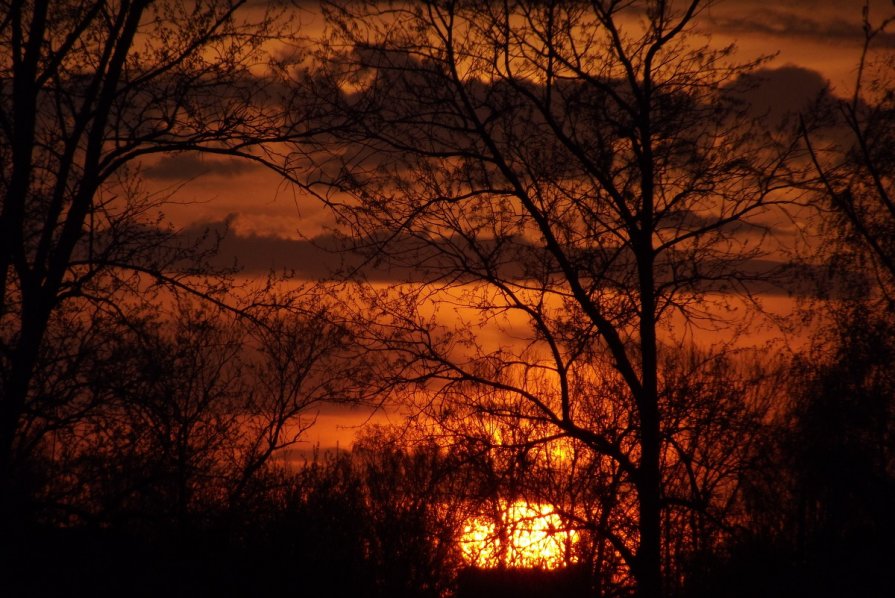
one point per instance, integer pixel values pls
(817, 36)
(269, 219)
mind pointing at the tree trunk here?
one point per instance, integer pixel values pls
(12, 405)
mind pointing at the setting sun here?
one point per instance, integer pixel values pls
(527, 535)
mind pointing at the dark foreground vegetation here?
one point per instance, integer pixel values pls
(383, 520)
(564, 217)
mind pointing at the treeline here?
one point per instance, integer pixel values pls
(816, 520)
(360, 524)
(156, 492)
(808, 513)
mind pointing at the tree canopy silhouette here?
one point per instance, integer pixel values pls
(571, 176)
(88, 90)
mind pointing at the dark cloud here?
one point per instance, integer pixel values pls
(329, 257)
(189, 165)
(314, 259)
(797, 20)
(774, 278)
(333, 257)
(781, 92)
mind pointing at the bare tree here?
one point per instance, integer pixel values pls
(855, 172)
(88, 89)
(179, 422)
(569, 179)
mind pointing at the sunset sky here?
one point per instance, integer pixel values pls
(812, 43)
(447, 298)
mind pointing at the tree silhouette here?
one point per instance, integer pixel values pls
(842, 454)
(178, 424)
(169, 444)
(89, 89)
(856, 173)
(572, 177)
(814, 518)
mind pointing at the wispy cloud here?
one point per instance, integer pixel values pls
(805, 20)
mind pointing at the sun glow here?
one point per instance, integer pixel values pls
(524, 535)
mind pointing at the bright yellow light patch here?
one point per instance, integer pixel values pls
(528, 535)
